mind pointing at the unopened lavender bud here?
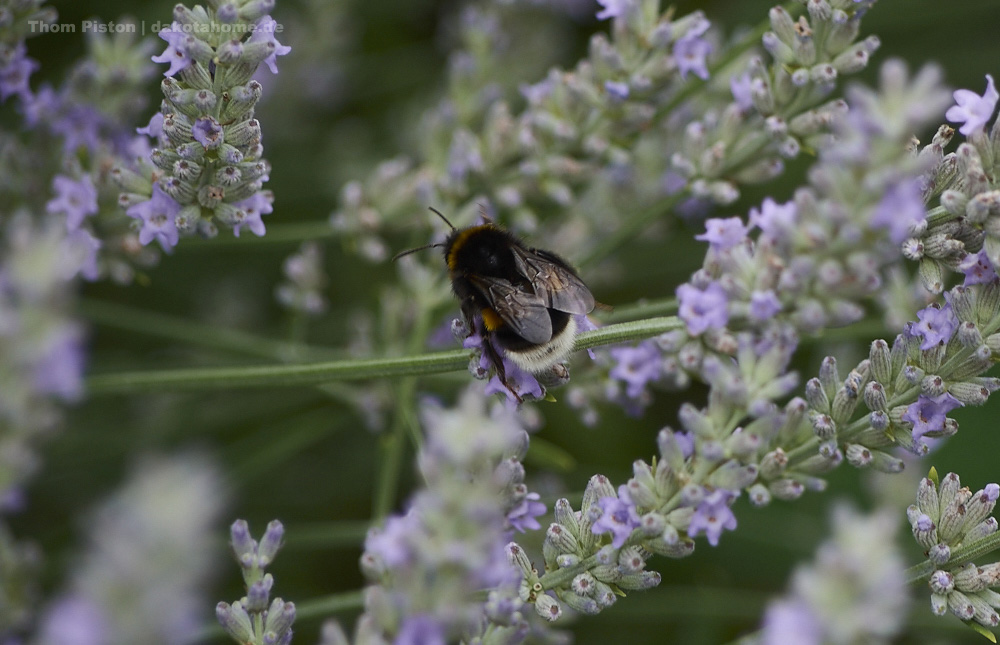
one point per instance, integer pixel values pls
(852, 60)
(258, 595)
(823, 74)
(949, 488)
(773, 463)
(878, 420)
(759, 495)
(980, 505)
(952, 520)
(270, 543)
(928, 500)
(958, 604)
(652, 524)
(939, 554)
(244, 546)
(942, 582)
(671, 451)
(255, 9)
(644, 580)
(969, 393)
(548, 608)
(829, 376)
(911, 375)
(932, 385)
(692, 495)
(579, 602)
(955, 201)
(584, 584)
(967, 578)
(567, 560)
(985, 615)
(605, 595)
(875, 397)
(844, 404)
(982, 530)
(712, 450)
(235, 621)
(733, 476)
(939, 604)
(880, 361)
(630, 560)
(559, 537)
(518, 558)
(782, 24)
(599, 486)
(823, 426)
(886, 463)
(564, 515)
(786, 489)
(696, 421)
(925, 532)
(858, 456)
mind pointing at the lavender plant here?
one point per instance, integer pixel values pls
(668, 127)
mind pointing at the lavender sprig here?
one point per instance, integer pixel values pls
(256, 619)
(208, 168)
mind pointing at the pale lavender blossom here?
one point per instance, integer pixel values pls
(977, 268)
(723, 234)
(691, 53)
(790, 621)
(901, 210)
(615, 8)
(764, 305)
(15, 71)
(775, 221)
(703, 309)
(972, 110)
(523, 516)
(420, 629)
(520, 383)
(617, 90)
(936, 325)
(264, 33)
(618, 517)
(391, 542)
(76, 199)
(255, 206)
(208, 133)
(741, 87)
(60, 363)
(75, 620)
(636, 366)
(154, 128)
(928, 413)
(158, 218)
(713, 516)
(175, 53)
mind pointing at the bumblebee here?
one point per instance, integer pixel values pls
(526, 297)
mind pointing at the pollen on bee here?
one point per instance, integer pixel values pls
(491, 319)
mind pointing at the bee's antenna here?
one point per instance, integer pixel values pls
(419, 248)
(439, 214)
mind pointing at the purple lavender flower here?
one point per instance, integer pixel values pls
(775, 221)
(703, 309)
(208, 133)
(636, 366)
(85, 246)
(420, 629)
(973, 110)
(713, 515)
(927, 414)
(264, 33)
(258, 204)
(618, 517)
(174, 54)
(522, 517)
(936, 325)
(791, 621)
(40, 107)
(741, 86)
(616, 90)
(79, 126)
(519, 382)
(723, 234)
(75, 619)
(74, 199)
(900, 210)
(391, 543)
(977, 268)
(15, 71)
(154, 128)
(157, 215)
(614, 8)
(764, 305)
(59, 369)
(691, 53)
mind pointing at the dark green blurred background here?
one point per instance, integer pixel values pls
(294, 455)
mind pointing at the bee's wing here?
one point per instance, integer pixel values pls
(523, 311)
(553, 281)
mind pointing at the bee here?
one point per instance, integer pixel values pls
(526, 298)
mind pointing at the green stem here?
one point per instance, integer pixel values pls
(967, 553)
(111, 314)
(355, 369)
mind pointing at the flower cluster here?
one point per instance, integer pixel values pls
(950, 522)
(855, 592)
(306, 281)
(16, 67)
(208, 167)
(148, 558)
(474, 498)
(256, 618)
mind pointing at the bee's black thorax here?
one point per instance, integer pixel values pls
(482, 250)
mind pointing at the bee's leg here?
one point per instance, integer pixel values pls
(497, 360)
